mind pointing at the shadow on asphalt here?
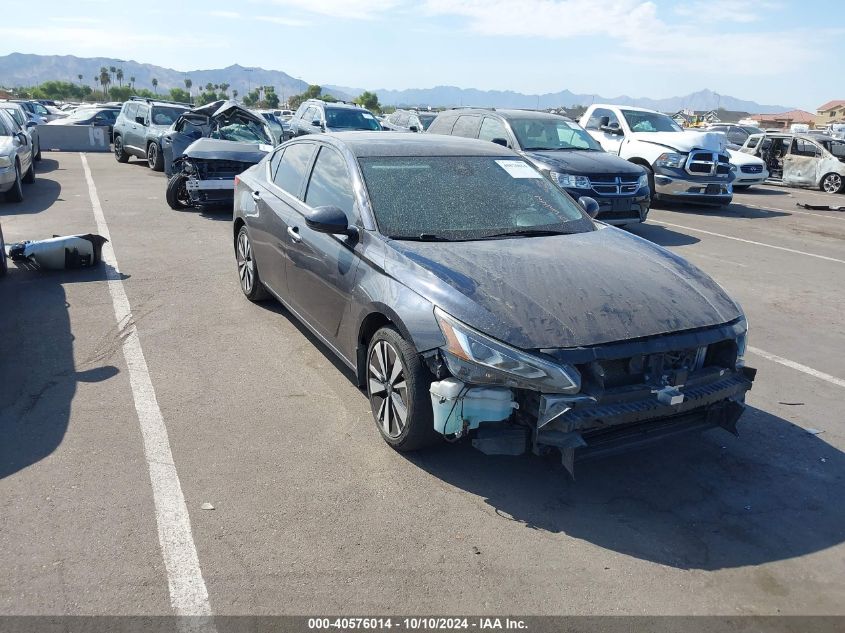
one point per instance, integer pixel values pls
(37, 197)
(733, 210)
(37, 363)
(46, 165)
(756, 191)
(661, 235)
(709, 501)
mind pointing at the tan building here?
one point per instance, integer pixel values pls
(830, 112)
(785, 119)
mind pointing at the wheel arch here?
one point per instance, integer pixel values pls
(379, 316)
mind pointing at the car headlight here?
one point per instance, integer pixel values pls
(475, 357)
(5, 161)
(670, 159)
(570, 181)
(642, 181)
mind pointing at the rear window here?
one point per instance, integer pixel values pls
(465, 197)
(348, 119)
(551, 134)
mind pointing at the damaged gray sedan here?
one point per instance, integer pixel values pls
(206, 148)
(475, 299)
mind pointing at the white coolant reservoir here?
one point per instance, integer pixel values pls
(454, 403)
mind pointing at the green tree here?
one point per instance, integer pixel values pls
(132, 82)
(271, 99)
(80, 78)
(209, 87)
(368, 100)
(155, 85)
(177, 94)
(105, 80)
(224, 88)
(235, 94)
(119, 75)
(121, 93)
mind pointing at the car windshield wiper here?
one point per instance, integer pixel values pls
(528, 232)
(422, 237)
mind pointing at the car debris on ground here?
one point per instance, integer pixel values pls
(61, 252)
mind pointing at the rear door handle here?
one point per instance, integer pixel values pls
(293, 233)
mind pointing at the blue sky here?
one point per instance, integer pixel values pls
(774, 52)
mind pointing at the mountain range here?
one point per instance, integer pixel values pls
(19, 69)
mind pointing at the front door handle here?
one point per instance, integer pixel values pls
(256, 196)
(293, 233)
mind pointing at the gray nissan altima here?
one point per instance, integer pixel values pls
(475, 299)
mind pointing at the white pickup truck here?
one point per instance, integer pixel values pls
(681, 165)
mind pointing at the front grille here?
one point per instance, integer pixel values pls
(605, 185)
(221, 168)
(752, 169)
(703, 163)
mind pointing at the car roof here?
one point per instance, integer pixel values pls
(336, 104)
(371, 144)
(508, 113)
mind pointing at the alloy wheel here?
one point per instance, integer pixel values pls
(832, 183)
(152, 155)
(246, 265)
(388, 389)
(118, 148)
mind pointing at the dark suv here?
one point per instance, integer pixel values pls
(563, 151)
(314, 116)
(140, 126)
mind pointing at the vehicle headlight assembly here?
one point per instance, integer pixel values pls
(671, 159)
(570, 181)
(5, 161)
(642, 181)
(741, 346)
(476, 358)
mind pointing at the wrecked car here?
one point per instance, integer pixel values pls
(801, 160)
(206, 148)
(491, 307)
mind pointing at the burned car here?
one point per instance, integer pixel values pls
(491, 307)
(801, 160)
(206, 148)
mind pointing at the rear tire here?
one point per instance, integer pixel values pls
(399, 396)
(177, 193)
(154, 158)
(741, 187)
(4, 263)
(832, 183)
(37, 156)
(119, 151)
(15, 194)
(250, 280)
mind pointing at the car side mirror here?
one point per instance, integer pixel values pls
(317, 123)
(139, 120)
(329, 219)
(604, 121)
(590, 206)
(31, 124)
(413, 128)
(611, 128)
(500, 141)
(22, 137)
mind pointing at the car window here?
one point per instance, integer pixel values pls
(467, 126)
(594, 121)
(348, 119)
(737, 135)
(402, 120)
(801, 147)
(640, 121)
(443, 124)
(17, 115)
(837, 148)
(492, 128)
(310, 114)
(753, 142)
(552, 134)
(466, 197)
(426, 120)
(330, 184)
(292, 168)
(165, 115)
(40, 109)
(275, 159)
(5, 128)
(129, 111)
(143, 111)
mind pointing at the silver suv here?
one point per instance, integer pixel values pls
(140, 126)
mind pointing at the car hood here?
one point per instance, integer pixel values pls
(563, 291)
(684, 141)
(583, 162)
(741, 158)
(219, 109)
(217, 149)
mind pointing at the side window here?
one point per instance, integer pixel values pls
(492, 128)
(801, 147)
(143, 111)
(300, 111)
(310, 114)
(129, 111)
(467, 125)
(754, 142)
(274, 163)
(291, 171)
(737, 135)
(443, 124)
(402, 120)
(330, 184)
(5, 128)
(595, 118)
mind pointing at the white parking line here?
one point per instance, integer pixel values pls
(739, 239)
(798, 366)
(188, 593)
(790, 211)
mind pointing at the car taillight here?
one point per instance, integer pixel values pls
(237, 180)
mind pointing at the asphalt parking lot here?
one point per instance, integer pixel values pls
(314, 514)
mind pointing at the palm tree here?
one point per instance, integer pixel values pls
(112, 71)
(155, 85)
(132, 82)
(188, 84)
(209, 87)
(119, 75)
(105, 80)
(235, 94)
(80, 79)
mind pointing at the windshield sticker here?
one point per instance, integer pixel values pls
(518, 169)
(367, 115)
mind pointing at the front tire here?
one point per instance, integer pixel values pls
(251, 283)
(15, 194)
(832, 183)
(397, 387)
(154, 158)
(177, 193)
(119, 151)
(29, 176)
